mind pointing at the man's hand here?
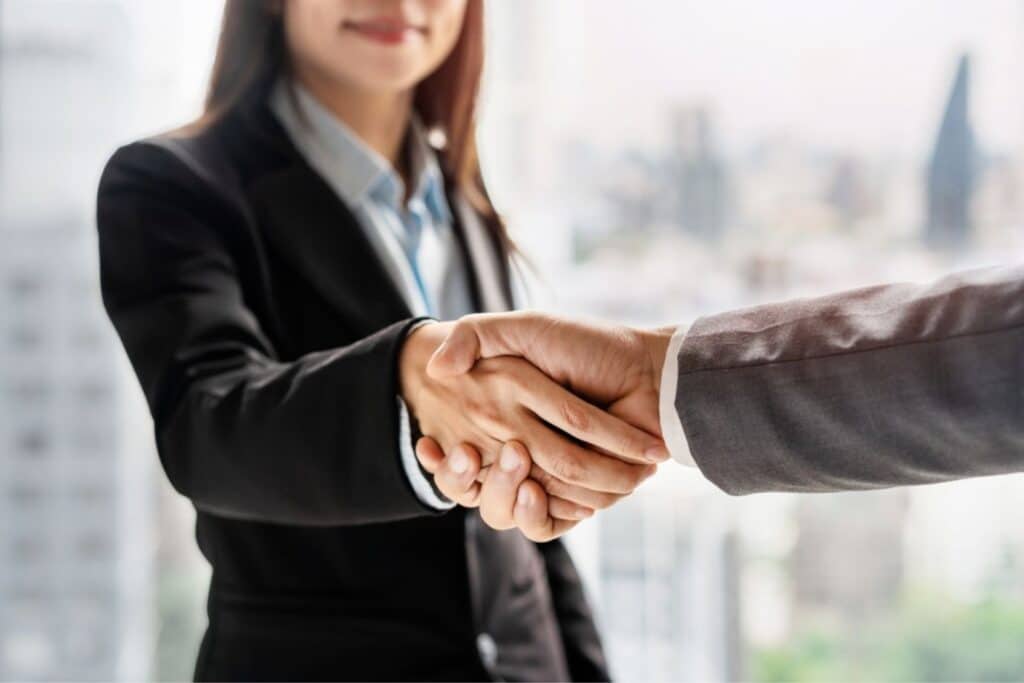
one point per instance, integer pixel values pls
(614, 367)
(583, 455)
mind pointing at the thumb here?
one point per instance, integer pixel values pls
(485, 335)
(457, 353)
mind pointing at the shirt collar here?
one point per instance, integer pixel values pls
(356, 171)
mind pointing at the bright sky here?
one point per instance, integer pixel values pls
(855, 73)
(864, 75)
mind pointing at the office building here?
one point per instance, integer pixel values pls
(951, 169)
(698, 172)
(74, 575)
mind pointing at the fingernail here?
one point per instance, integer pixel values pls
(509, 461)
(460, 463)
(524, 498)
(657, 453)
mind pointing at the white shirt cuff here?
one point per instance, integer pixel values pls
(671, 426)
(417, 478)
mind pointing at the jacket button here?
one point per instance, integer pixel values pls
(488, 649)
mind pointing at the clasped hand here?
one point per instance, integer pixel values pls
(539, 433)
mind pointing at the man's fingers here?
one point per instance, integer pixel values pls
(560, 508)
(531, 514)
(590, 424)
(580, 495)
(580, 466)
(456, 476)
(498, 493)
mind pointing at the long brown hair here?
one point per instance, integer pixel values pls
(251, 52)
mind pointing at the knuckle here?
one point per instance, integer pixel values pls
(634, 442)
(574, 414)
(484, 412)
(567, 467)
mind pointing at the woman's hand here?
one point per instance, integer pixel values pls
(508, 399)
(507, 497)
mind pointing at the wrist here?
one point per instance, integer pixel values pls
(656, 344)
(419, 345)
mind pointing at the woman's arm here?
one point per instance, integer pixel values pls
(239, 432)
(307, 441)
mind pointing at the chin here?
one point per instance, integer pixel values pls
(389, 80)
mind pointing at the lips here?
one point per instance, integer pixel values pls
(386, 30)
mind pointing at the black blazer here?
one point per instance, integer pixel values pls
(264, 331)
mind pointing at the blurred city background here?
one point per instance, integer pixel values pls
(657, 160)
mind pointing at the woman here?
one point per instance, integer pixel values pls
(267, 269)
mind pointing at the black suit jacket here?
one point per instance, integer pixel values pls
(264, 332)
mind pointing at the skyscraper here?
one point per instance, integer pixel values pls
(699, 173)
(951, 171)
(73, 567)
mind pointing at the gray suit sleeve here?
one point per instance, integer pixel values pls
(885, 386)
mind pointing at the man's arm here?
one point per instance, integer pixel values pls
(884, 386)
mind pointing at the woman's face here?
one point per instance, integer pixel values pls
(379, 45)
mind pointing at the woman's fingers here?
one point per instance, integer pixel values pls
(429, 453)
(455, 475)
(498, 493)
(532, 515)
(588, 423)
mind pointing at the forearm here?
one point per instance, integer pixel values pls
(663, 347)
(314, 441)
(879, 387)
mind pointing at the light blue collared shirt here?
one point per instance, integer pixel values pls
(415, 239)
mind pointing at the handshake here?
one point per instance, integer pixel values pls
(538, 421)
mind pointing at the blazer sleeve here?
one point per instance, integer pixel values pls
(884, 386)
(581, 642)
(240, 432)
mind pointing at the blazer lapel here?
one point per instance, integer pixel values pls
(318, 235)
(308, 225)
